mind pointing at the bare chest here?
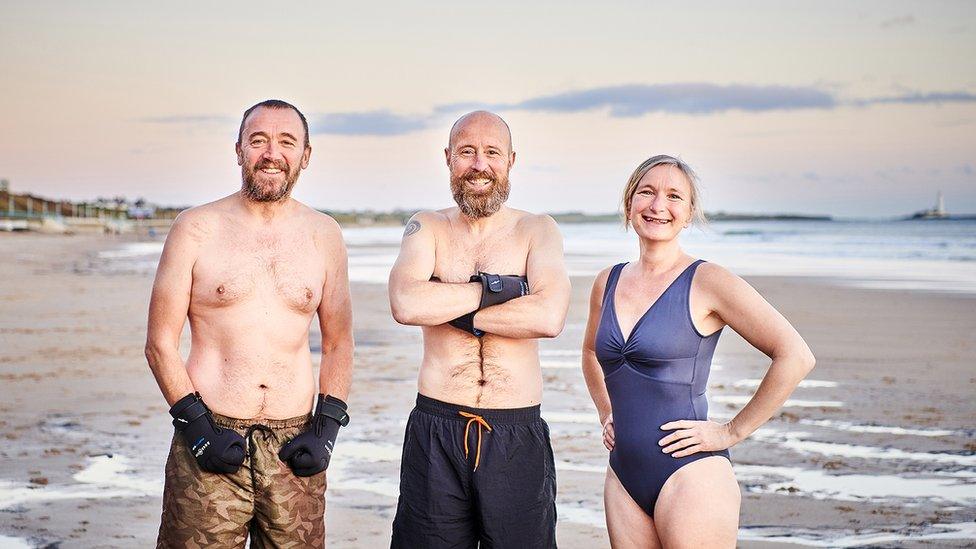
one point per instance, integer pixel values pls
(285, 270)
(460, 256)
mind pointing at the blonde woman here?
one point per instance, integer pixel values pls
(652, 329)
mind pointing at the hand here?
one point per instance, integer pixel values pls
(495, 289)
(690, 437)
(216, 449)
(608, 432)
(309, 453)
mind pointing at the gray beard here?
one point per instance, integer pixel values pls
(251, 190)
(480, 205)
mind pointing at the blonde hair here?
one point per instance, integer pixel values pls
(697, 215)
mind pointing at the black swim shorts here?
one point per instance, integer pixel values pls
(473, 476)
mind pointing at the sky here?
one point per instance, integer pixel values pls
(851, 109)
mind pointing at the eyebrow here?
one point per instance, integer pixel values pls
(264, 134)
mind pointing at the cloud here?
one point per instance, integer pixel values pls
(691, 98)
(900, 21)
(935, 98)
(626, 101)
(367, 123)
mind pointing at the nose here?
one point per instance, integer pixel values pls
(658, 204)
(271, 151)
(480, 162)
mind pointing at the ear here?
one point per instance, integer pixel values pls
(511, 160)
(240, 153)
(447, 156)
(306, 155)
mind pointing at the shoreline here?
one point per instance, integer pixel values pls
(864, 449)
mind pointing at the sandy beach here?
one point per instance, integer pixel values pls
(877, 448)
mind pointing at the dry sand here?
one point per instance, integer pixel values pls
(76, 389)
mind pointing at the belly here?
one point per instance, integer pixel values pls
(490, 372)
(247, 369)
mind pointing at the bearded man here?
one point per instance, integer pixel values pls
(484, 281)
(250, 271)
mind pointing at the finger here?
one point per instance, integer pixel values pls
(303, 460)
(681, 424)
(677, 435)
(688, 451)
(683, 443)
(233, 455)
(288, 450)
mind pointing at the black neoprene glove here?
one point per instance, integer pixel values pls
(216, 449)
(495, 289)
(309, 453)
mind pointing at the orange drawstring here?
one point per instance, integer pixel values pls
(472, 418)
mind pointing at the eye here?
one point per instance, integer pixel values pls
(673, 196)
(645, 192)
(493, 153)
(466, 152)
(288, 143)
(257, 141)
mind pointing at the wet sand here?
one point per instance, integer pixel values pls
(877, 449)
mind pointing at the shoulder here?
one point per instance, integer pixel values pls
(536, 225)
(600, 282)
(717, 281)
(426, 219)
(196, 224)
(321, 221)
(431, 216)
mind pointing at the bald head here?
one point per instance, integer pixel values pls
(480, 120)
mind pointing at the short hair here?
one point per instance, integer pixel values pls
(273, 104)
(697, 214)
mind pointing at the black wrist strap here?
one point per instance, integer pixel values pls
(334, 408)
(466, 323)
(189, 409)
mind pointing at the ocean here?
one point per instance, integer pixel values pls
(934, 255)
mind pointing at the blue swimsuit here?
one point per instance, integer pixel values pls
(657, 375)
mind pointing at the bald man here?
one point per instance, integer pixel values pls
(484, 282)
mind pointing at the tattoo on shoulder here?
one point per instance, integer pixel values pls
(411, 228)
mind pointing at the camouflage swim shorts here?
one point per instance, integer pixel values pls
(263, 499)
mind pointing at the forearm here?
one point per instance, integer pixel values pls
(425, 303)
(777, 385)
(593, 374)
(526, 317)
(335, 369)
(169, 370)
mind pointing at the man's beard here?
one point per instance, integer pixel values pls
(480, 204)
(252, 189)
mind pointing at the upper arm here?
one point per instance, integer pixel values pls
(741, 307)
(415, 262)
(335, 309)
(545, 267)
(596, 309)
(170, 299)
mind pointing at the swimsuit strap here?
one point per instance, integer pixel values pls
(612, 281)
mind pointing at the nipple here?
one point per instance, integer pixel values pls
(220, 289)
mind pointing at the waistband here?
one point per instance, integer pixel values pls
(493, 416)
(237, 423)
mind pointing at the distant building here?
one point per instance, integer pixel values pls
(938, 212)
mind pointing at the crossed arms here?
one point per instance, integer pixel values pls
(416, 300)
